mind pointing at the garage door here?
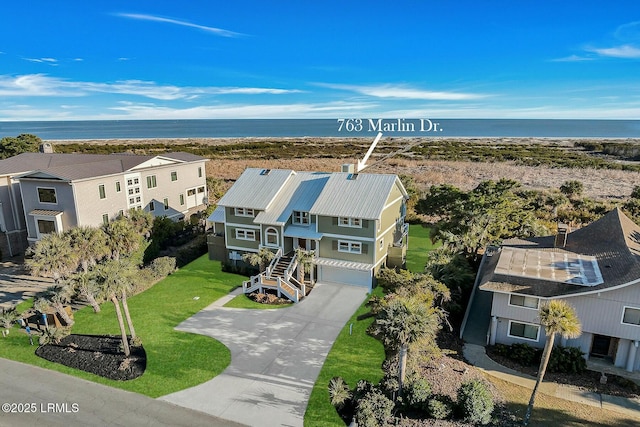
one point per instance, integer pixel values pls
(345, 276)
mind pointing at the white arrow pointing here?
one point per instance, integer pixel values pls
(363, 163)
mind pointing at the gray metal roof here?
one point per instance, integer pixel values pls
(81, 166)
(299, 193)
(362, 197)
(256, 189)
(218, 215)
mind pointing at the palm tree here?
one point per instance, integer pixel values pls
(122, 237)
(90, 245)
(87, 286)
(557, 317)
(402, 322)
(305, 264)
(58, 296)
(52, 256)
(113, 283)
(260, 259)
(7, 318)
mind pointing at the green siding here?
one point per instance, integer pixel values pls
(231, 218)
(329, 225)
(328, 249)
(232, 241)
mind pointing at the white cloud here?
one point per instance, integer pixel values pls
(403, 92)
(50, 61)
(44, 85)
(624, 51)
(143, 17)
(573, 58)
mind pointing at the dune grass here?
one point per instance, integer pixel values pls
(175, 360)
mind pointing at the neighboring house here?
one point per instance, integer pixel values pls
(48, 192)
(354, 223)
(596, 269)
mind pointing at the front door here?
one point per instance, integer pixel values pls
(302, 244)
(600, 346)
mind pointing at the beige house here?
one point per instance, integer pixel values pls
(49, 192)
(353, 223)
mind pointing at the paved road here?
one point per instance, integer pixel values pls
(276, 356)
(95, 404)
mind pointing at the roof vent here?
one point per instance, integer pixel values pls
(352, 176)
(348, 168)
(265, 171)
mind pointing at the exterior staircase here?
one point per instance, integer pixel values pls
(279, 276)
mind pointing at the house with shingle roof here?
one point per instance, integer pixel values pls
(53, 192)
(596, 269)
(353, 224)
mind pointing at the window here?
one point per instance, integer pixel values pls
(129, 182)
(166, 203)
(130, 191)
(46, 227)
(243, 234)
(182, 199)
(151, 181)
(102, 191)
(105, 219)
(133, 181)
(524, 301)
(152, 206)
(118, 189)
(138, 200)
(199, 172)
(271, 235)
(132, 200)
(631, 316)
(243, 212)
(525, 331)
(350, 222)
(351, 247)
(121, 213)
(174, 176)
(381, 244)
(300, 217)
(47, 195)
(191, 192)
(200, 189)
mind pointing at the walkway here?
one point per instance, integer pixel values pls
(17, 285)
(60, 400)
(476, 355)
(276, 356)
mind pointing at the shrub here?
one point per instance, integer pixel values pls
(475, 402)
(51, 335)
(567, 360)
(374, 409)
(572, 188)
(524, 354)
(440, 408)
(339, 392)
(417, 393)
(163, 266)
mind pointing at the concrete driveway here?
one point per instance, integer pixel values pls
(276, 356)
(17, 285)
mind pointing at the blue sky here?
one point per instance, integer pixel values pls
(75, 60)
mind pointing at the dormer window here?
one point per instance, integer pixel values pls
(350, 222)
(244, 212)
(300, 218)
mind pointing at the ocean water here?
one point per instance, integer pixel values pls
(140, 129)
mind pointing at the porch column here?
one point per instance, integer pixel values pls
(494, 330)
(631, 355)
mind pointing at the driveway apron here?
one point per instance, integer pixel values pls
(276, 356)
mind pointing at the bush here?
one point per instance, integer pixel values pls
(339, 392)
(475, 402)
(374, 409)
(524, 354)
(440, 408)
(417, 393)
(163, 266)
(194, 251)
(567, 360)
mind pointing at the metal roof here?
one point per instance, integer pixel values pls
(218, 215)
(361, 197)
(256, 188)
(45, 212)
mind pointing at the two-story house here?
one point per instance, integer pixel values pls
(353, 223)
(51, 192)
(596, 269)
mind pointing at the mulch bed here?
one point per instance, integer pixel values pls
(588, 380)
(97, 354)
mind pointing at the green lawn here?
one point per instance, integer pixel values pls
(419, 244)
(353, 357)
(176, 360)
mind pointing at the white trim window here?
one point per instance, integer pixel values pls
(524, 301)
(151, 181)
(174, 176)
(248, 212)
(631, 316)
(300, 218)
(102, 191)
(245, 234)
(47, 195)
(271, 237)
(524, 331)
(349, 222)
(349, 246)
